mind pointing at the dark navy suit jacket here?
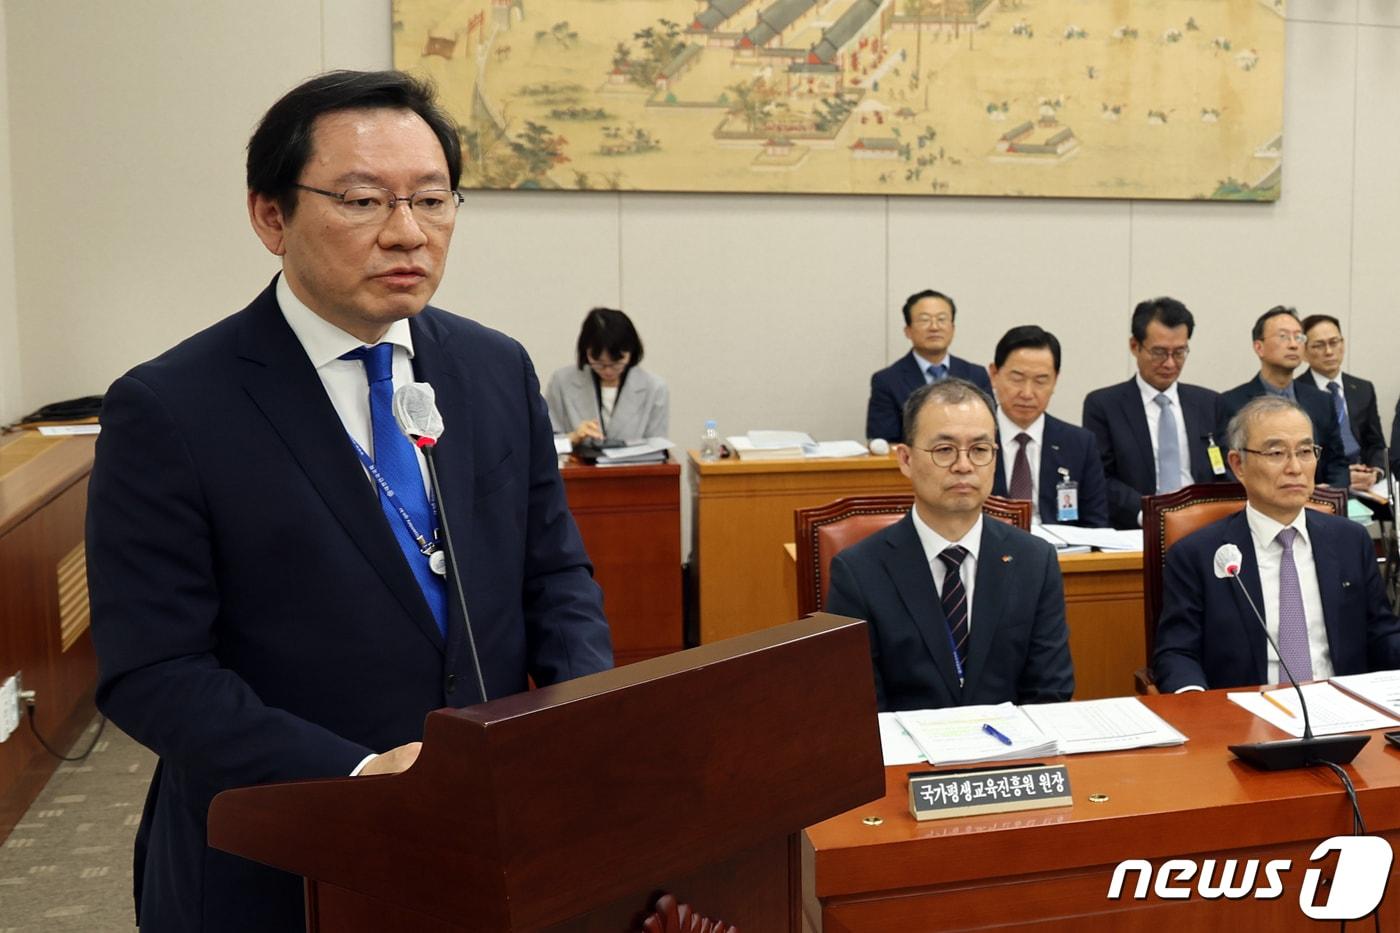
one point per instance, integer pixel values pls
(1208, 635)
(1018, 642)
(254, 618)
(891, 386)
(1363, 413)
(1063, 445)
(1332, 468)
(1115, 416)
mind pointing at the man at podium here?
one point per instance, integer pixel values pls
(271, 595)
(962, 610)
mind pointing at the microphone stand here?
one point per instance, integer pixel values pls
(428, 445)
(1286, 754)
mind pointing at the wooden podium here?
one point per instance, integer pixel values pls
(571, 808)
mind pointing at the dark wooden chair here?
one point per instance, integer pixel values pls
(824, 531)
(1168, 518)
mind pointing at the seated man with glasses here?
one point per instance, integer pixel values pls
(930, 321)
(269, 589)
(1353, 400)
(1278, 342)
(963, 610)
(1312, 576)
(1154, 432)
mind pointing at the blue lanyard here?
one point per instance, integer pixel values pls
(425, 547)
(957, 662)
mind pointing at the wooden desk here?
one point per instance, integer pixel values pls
(43, 604)
(1103, 608)
(743, 514)
(630, 519)
(1049, 870)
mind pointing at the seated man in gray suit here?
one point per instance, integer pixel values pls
(962, 610)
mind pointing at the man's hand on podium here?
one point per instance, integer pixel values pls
(394, 760)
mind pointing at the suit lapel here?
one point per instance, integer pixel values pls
(436, 364)
(994, 580)
(913, 581)
(1052, 457)
(910, 374)
(1135, 417)
(1237, 533)
(1196, 434)
(286, 389)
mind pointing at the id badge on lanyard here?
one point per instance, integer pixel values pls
(1066, 498)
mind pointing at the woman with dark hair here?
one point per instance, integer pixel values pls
(607, 396)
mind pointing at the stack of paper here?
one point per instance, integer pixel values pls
(1106, 725)
(962, 734)
(1330, 711)
(769, 445)
(1061, 545)
(1379, 689)
(651, 450)
(1103, 539)
(834, 449)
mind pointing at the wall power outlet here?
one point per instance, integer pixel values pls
(9, 706)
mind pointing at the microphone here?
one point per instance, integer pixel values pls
(1285, 754)
(416, 411)
(879, 446)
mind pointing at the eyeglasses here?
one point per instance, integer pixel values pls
(1299, 337)
(1277, 456)
(945, 455)
(926, 321)
(365, 204)
(1160, 354)
(1334, 344)
(604, 366)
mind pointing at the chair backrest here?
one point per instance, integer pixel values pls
(824, 531)
(1168, 518)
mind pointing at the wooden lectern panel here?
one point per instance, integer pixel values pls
(530, 812)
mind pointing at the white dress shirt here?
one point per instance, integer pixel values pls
(925, 364)
(935, 544)
(1153, 411)
(345, 380)
(1008, 430)
(1269, 554)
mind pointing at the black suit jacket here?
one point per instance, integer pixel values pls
(1073, 448)
(1115, 416)
(253, 615)
(1332, 468)
(1018, 643)
(1364, 415)
(892, 386)
(1208, 634)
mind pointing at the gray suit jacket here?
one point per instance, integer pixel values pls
(643, 407)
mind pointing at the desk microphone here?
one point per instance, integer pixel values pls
(1287, 753)
(416, 411)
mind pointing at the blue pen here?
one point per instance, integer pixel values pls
(987, 728)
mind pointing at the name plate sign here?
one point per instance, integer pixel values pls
(941, 795)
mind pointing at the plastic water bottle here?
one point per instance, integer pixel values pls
(709, 442)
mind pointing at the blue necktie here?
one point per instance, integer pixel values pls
(936, 373)
(396, 461)
(954, 599)
(1349, 445)
(1168, 447)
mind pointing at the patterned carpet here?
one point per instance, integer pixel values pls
(67, 864)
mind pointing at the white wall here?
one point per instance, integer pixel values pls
(10, 387)
(761, 311)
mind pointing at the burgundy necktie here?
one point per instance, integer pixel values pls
(1021, 469)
